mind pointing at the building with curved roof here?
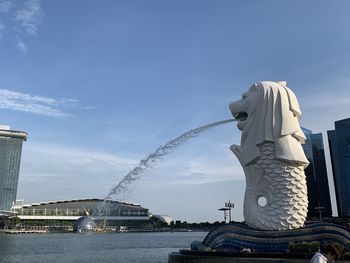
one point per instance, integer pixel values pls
(65, 213)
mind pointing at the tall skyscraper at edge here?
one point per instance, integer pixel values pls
(339, 145)
(10, 158)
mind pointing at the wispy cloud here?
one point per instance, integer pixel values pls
(18, 101)
(69, 172)
(191, 166)
(70, 161)
(197, 171)
(30, 16)
(6, 5)
(21, 46)
(322, 94)
(20, 18)
(326, 100)
(58, 172)
(2, 28)
(321, 105)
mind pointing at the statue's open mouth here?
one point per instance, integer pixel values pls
(241, 116)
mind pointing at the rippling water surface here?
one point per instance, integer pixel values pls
(91, 247)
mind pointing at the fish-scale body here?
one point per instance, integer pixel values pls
(283, 185)
(272, 156)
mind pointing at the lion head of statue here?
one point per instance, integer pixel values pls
(270, 112)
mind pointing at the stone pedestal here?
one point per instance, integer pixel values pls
(188, 256)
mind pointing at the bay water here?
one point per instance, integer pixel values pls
(94, 247)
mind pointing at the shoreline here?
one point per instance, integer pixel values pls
(55, 231)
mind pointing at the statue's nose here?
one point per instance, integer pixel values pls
(233, 107)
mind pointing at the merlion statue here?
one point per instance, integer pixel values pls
(272, 157)
(275, 204)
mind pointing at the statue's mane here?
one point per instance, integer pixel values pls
(276, 119)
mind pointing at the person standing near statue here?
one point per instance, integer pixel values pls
(330, 253)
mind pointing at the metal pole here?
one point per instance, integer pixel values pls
(229, 204)
(224, 209)
(319, 210)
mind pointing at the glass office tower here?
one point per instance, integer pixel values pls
(333, 153)
(316, 176)
(339, 144)
(10, 158)
(320, 169)
(309, 174)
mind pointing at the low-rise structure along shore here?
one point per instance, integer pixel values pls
(62, 215)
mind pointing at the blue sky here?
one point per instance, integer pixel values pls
(98, 85)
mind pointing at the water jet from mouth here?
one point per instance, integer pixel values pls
(150, 160)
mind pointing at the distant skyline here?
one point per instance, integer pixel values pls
(98, 85)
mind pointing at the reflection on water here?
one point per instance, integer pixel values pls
(91, 247)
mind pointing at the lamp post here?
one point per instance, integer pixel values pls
(224, 209)
(229, 205)
(319, 208)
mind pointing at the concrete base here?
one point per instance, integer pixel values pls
(237, 236)
(188, 256)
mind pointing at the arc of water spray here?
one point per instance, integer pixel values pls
(148, 162)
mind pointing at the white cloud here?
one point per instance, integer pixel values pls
(196, 171)
(6, 5)
(89, 173)
(322, 106)
(323, 95)
(20, 18)
(69, 172)
(191, 165)
(17, 101)
(68, 161)
(324, 100)
(2, 28)
(30, 16)
(52, 172)
(21, 46)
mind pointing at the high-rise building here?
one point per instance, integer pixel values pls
(339, 144)
(333, 153)
(320, 169)
(10, 158)
(316, 176)
(309, 173)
